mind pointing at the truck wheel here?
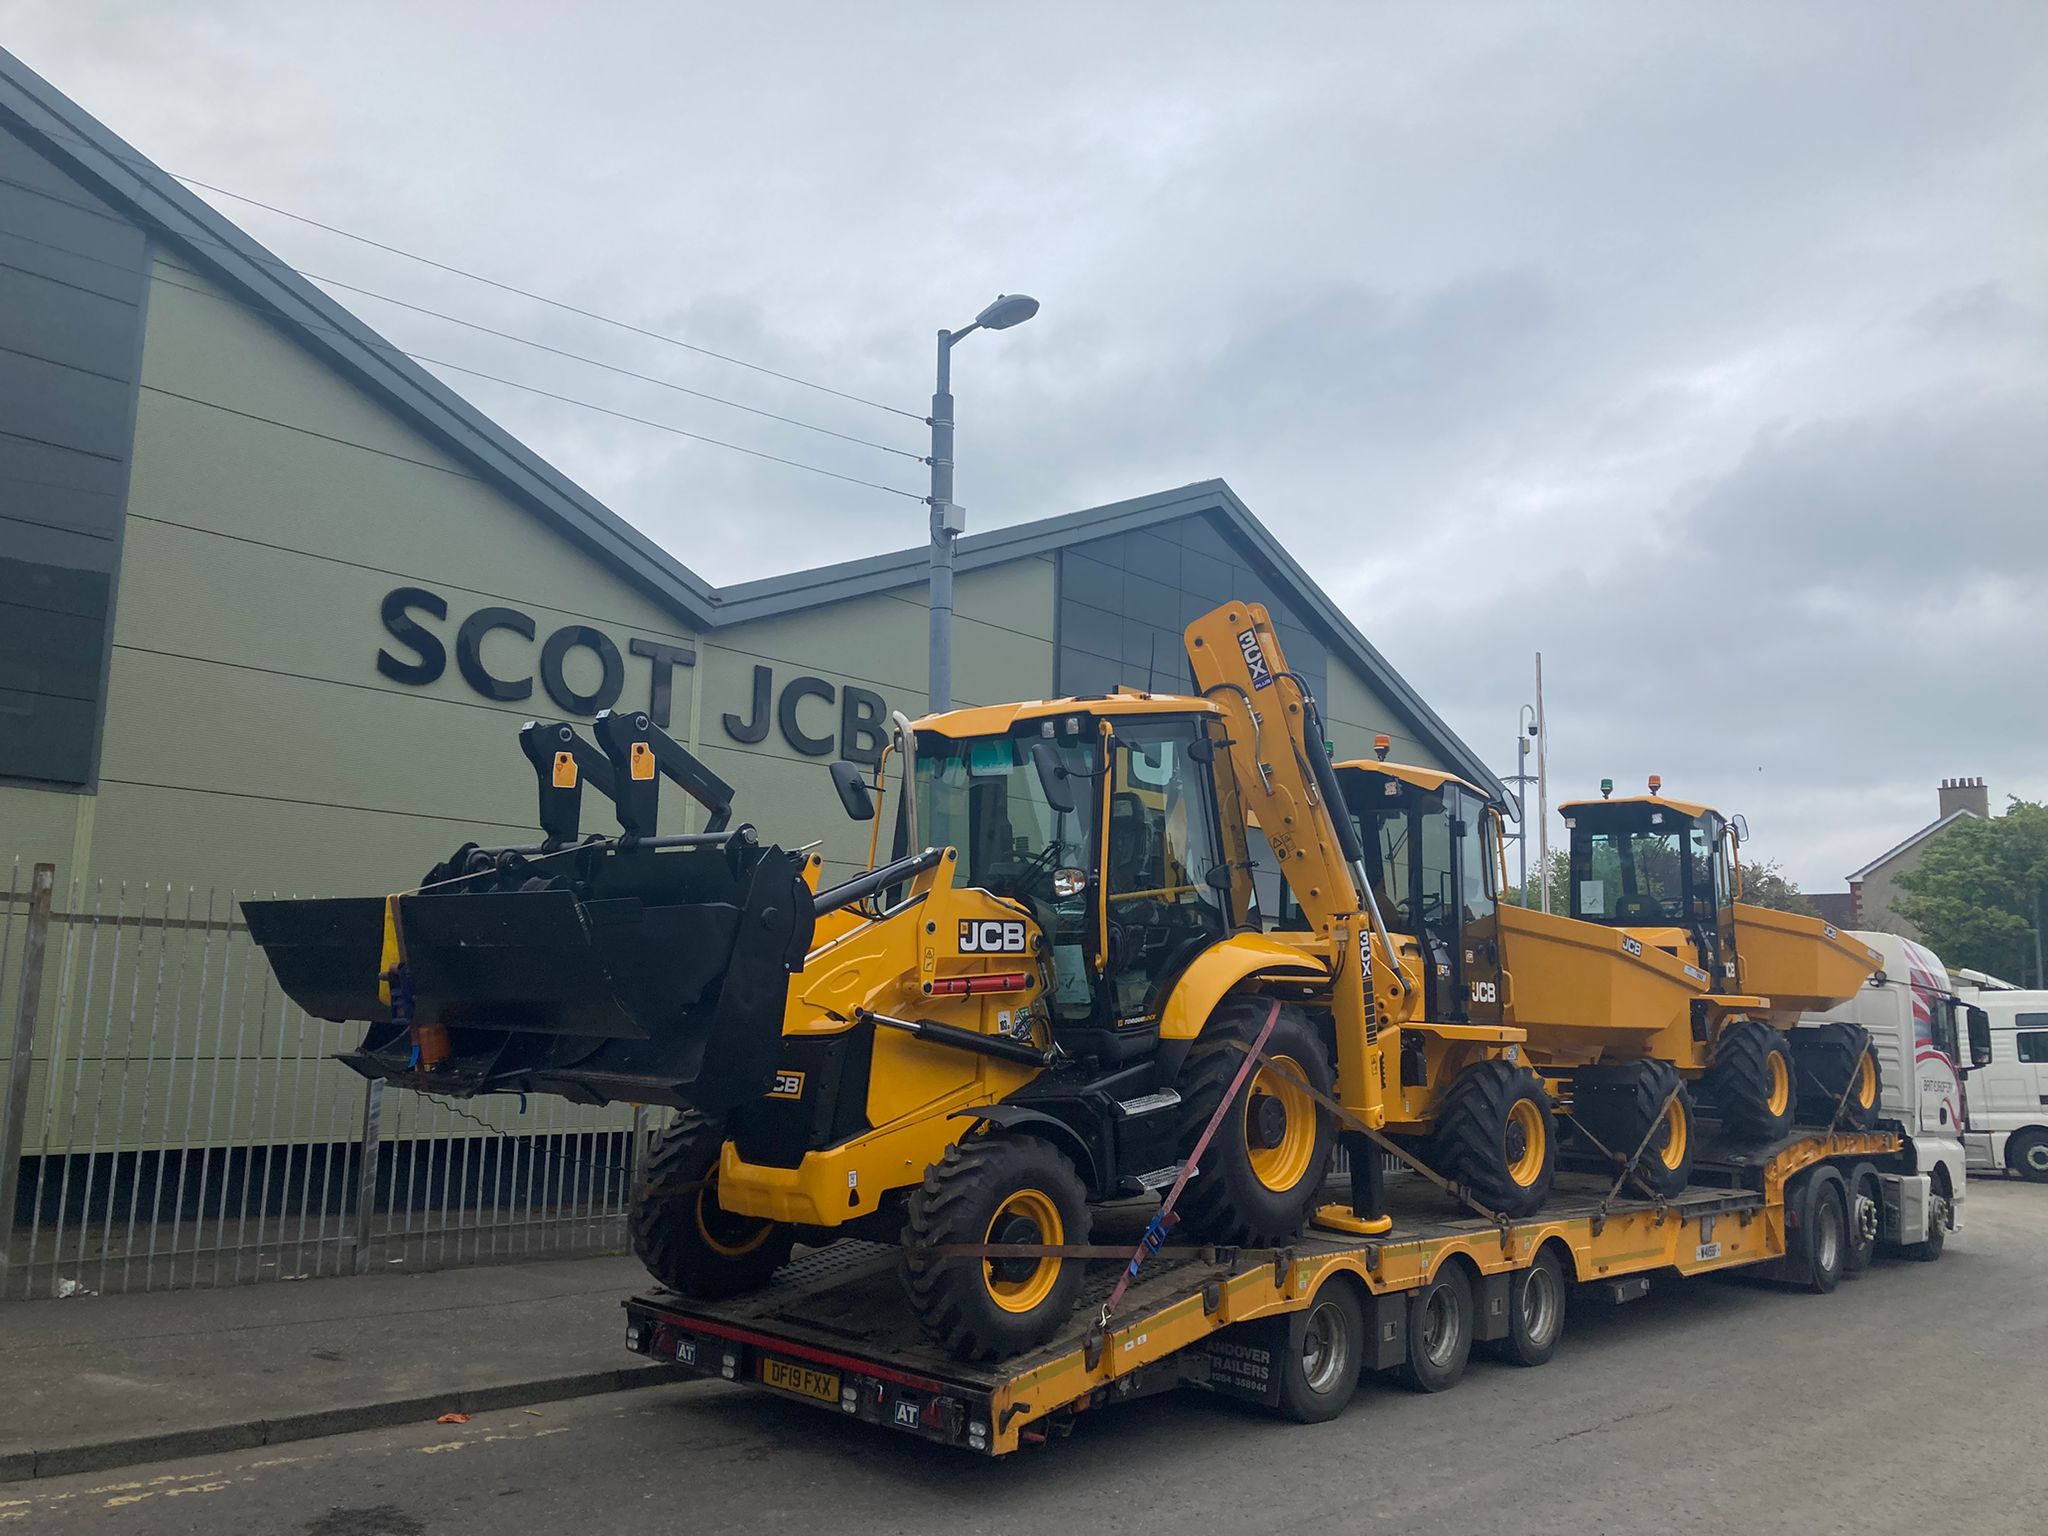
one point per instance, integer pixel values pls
(1325, 1352)
(2027, 1155)
(1263, 1171)
(1824, 1234)
(686, 1240)
(1620, 1104)
(1830, 1057)
(1750, 1081)
(1002, 1189)
(1866, 1217)
(1536, 1301)
(1439, 1331)
(1929, 1248)
(1495, 1135)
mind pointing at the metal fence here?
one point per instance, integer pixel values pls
(168, 1119)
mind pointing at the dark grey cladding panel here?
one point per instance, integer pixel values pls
(72, 278)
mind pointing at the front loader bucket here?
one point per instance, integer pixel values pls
(651, 975)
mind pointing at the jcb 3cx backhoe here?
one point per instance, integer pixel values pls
(1667, 875)
(1619, 1022)
(961, 1048)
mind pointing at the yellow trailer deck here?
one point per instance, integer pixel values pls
(1292, 1328)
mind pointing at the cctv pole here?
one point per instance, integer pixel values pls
(947, 521)
(1522, 793)
(1542, 788)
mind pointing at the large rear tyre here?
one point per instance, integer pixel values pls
(680, 1232)
(1536, 1306)
(1940, 1216)
(1831, 1057)
(1002, 1189)
(1260, 1177)
(1325, 1352)
(1750, 1081)
(1495, 1135)
(1824, 1234)
(1621, 1105)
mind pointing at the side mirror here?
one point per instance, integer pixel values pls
(1739, 825)
(1052, 776)
(1980, 1035)
(853, 790)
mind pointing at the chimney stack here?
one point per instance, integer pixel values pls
(1965, 795)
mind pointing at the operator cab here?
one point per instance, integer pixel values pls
(1432, 855)
(1662, 869)
(1109, 837)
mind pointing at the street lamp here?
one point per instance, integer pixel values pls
(949, 519)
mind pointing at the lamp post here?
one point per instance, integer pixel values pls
(949, 519)
(1525, 733)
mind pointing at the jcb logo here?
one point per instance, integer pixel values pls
(1632, 945)
(1485, 992)
(788, 1085)
(991, 936)
(1255, 658)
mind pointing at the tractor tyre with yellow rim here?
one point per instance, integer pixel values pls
(1831, 1058)
(1640, 1104)
(995, 1190)
(1495, 1135)
(680, 1232)
(1751, 1084)
(1264, 1169)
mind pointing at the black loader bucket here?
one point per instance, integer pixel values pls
(606, 971)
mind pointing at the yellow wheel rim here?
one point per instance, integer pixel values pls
(1525, 1129)
(1780, 1090)
(1011, 1285)
(1866, 1081)
(1281, 1165)
(711, 1216)
(1677, 1133)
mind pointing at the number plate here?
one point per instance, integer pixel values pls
(802, 1380)
(1708, 1251)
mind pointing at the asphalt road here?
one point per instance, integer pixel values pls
(1912, 1400)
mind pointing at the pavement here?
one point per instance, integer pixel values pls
(1910, 1400)
(112, 1381)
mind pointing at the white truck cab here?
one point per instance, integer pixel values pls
(2008, 1129)
(1919, 1028)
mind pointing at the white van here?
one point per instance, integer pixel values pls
(1918, 1026)
(2009, 1097)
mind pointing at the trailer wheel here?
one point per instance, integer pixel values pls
(1439, 1331)
(1824, 1233)
(1263, 1171)
(2027, 1155)
(1325, 1352)
(1750, 1081)
(1866, 1217)
(680, 1232)
(1000, 1189)
(1495, 1134)
(1831, 1057)
(1536, 1304)
(1620, 1105)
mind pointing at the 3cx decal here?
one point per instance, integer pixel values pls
(1255, 658)
(991, 936)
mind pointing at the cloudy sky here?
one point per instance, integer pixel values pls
(1703, 348)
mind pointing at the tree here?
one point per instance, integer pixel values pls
(1978, 892)
(1560, 886)
(1765, 885)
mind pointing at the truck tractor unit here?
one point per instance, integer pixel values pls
(1665, 875)
(1592, 1002)
(1044, 1003)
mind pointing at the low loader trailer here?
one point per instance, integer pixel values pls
(1291, 1329)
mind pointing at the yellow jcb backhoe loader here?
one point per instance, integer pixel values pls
(1042, 1003)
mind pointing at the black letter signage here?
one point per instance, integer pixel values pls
(552, 678)
(794, 694)
(754, 729)
(662, 657)
(407, 630)
(469, 653)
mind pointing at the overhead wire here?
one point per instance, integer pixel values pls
(477, 277)
(425, 360)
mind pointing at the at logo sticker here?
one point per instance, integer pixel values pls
(1255, 659)
(992, 936)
